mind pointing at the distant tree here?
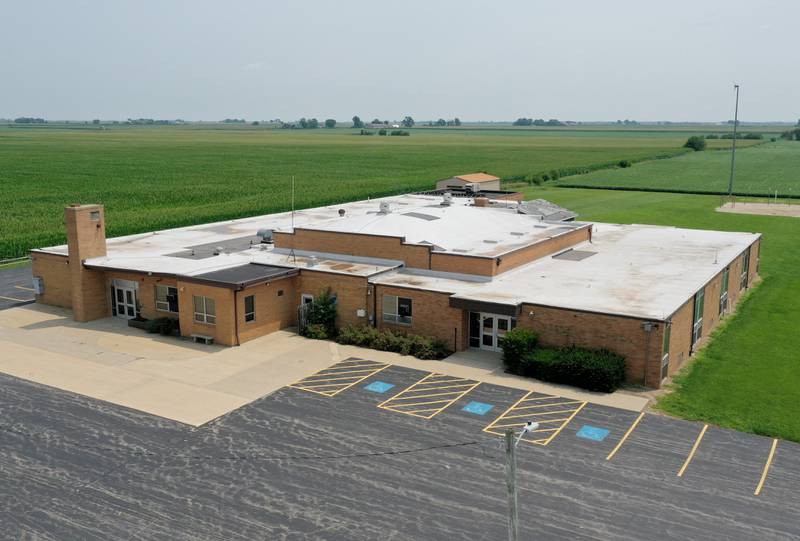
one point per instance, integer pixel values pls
(330, 123)
(255, 123)
(456, 121)
(522, 122)
(696, 142)
(382, 131)
(376, 121)
(96, 121)
(312, 124)
(554, 122)
(408, 122)
(302, 123)
(29, 120)
(357, 122)
(441, 122)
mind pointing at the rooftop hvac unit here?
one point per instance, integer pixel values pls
(312, 261)
(266, 235)
(447, 199)
(384, 208)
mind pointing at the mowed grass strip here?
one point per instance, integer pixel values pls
(748, 376)
(169, 176)
(760, 169)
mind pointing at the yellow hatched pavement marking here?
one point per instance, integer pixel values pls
(330, 381)
(766, 467)
(428, 387)
(533, 411)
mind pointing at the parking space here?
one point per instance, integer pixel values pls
(16, 287)
(344, 462)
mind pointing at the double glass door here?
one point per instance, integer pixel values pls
(124, 302)
(487, 330)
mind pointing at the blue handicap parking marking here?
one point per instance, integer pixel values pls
(379, 386)
(592, 433)
(478, 408)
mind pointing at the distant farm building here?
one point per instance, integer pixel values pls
(478, 181)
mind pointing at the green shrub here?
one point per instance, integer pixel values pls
(322, 312)
(592, 369)
(381, 131)
(161, 325)
(399, 132)
(422, 347)
(554, 174)
(712, 136)
(316, 331)
(695, 142)
(516, 344)
(624, 163)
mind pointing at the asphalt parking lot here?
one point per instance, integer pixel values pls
(365, 450)
(16, 287)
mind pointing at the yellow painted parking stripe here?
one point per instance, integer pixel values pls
(625, 437)
(766, 467)
(13, 299)
(400, 402)
(540, 413)
(25, 288)
(330, 382)
(566, 422)
(693, 451)
(548, 404)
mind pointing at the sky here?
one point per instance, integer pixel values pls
(476, 60)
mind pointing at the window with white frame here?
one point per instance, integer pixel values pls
(397, 310)
(250, 308)
(743, 279)
(205, 310)
(697, 325)
(166, 298)
(723, 292)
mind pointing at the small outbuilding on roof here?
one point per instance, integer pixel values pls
(484, 180)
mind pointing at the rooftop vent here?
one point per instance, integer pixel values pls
(219, 250)
(312, 261)
(266, 236)
(421, 216)
(341, 213)
(490, 241)
(384, 208)
(517, 233)
(447, 199)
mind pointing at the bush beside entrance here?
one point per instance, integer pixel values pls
(421, 347)
(592, 369)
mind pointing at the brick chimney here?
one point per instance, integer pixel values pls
(86, 238)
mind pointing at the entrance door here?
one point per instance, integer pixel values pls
(125, 302)
(493, 328)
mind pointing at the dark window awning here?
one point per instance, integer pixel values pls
(241, 276)
(512, 310)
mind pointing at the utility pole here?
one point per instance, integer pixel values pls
(511, 486)
(511, 477)
(733, 148)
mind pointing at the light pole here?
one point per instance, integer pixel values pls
(511, 477)
(733, 148)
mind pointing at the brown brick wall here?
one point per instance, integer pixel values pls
(223, 331)
(483, 266)
(146, 294)
(541, 249)
(626, 336)
(431, 315)
(86, 238)
(351, 294)
(355, 244)
(680, 342)
(273, 311)
(54, 270)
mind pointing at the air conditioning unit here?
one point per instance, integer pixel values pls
(384, 207)
(447, 199)
(266, 235)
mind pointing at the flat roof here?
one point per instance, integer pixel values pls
(244, 275)
(639, 271)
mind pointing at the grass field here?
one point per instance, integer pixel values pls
(748, 377)
(760, 169)
(158, 177)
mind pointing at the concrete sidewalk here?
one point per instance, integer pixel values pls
(192, 383)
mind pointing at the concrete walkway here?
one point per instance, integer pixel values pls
(192, 383)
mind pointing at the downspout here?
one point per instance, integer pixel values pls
(236, 316)
(648, 329)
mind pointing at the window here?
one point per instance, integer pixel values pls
(249, 308)
(697, 326)
(166, 298)
(745, 269)
(94, 215)
(396, 310)
(723, 292)
(205, 310)
(306, 298)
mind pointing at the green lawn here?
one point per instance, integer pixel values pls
(748, 377)
(759, 170)
(158, 177)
